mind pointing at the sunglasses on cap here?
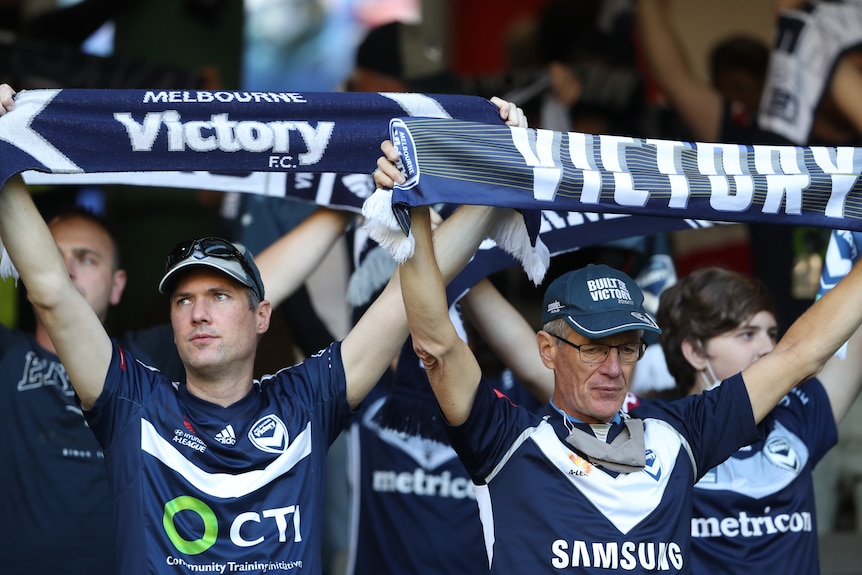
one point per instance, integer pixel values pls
(217, 248)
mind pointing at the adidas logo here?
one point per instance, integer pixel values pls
(226, 436)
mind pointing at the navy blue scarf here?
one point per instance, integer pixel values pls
(464, 162)
(242, 141)
(574, 190)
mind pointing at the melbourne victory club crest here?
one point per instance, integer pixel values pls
(407, 162)
(269, 434)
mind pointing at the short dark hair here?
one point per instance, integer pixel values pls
(253, 298)
(706, 303)
(73, 211)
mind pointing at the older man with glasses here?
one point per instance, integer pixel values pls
(586, 485)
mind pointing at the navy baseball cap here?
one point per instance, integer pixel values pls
(597, 301)
(232, 259)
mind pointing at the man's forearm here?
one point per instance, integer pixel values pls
(30, 243)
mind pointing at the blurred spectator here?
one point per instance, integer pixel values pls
(724, 110)
(399, 57)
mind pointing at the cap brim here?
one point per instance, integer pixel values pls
(607, 323)
(226, 267)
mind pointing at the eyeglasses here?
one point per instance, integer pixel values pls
(217, 248)
(595, 353)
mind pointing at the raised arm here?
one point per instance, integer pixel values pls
(842, 375)
(451, 367)
(698, 104)
(845, 87)
(377, 337)
(286, 263)
(75, 330)
(379, 334)
(509, 336)
(807, 345)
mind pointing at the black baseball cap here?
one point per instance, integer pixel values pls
(409, 53)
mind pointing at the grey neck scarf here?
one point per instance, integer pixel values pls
(625, 454)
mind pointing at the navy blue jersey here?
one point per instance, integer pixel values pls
(413, 503)
(203, 488)
(413, 506)
(546, 509)
(55, 508)
(755, 512)
(56, 513)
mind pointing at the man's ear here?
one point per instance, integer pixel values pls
(547, 348)
(264, 315)
(693, 354)
(118, 284)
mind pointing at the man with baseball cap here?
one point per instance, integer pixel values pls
(222, 472)
(585, 485)
(223, 469)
